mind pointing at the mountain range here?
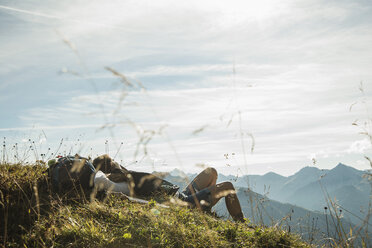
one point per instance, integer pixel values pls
(302, 201)
(343, 187)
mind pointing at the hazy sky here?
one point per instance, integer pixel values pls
(245, 86)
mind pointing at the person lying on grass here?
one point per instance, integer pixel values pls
(203, 191)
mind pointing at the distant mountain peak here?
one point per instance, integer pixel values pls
(178, 173)
(340, 167)
(307, 170)
(306, 174)
(272, 174)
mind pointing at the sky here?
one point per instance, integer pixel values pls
(245, 86)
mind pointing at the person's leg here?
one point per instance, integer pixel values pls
(212, 193)
(226, 189)
(205, 179)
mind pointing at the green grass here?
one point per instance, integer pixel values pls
(32, 216)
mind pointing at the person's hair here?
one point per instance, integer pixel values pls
(105, 164)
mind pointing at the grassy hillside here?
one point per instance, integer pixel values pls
(32, 216)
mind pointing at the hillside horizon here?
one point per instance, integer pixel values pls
(271, 173)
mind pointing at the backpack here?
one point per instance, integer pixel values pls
(71, 171)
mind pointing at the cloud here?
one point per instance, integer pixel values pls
(39, 128)
(360, 146)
